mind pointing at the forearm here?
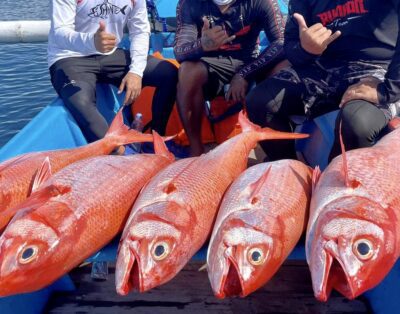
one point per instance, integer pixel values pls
(63, 28)
(295, 53)
(188, 51)
(139, 35)
(270, 57)
(187, 45)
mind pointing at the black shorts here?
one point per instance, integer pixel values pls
(220, 72)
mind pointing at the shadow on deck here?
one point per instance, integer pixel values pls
(289, 291)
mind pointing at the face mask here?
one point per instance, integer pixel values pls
(222, 2)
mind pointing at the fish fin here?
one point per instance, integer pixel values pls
(36, 199)
(344, 157)
(256, 186)
(120, 134)
(123, 10)
(160, 148)
(13, 161)
(42, 175)
(348, 182)
(246, 124)
(315, 178)
(203, 268)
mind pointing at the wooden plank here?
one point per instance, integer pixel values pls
(289, 291)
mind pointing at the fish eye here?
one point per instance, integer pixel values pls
(28, 254)
(256, 256)
(363, 249)
(160, 251)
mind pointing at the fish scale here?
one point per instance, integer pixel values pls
(268, 201)
(17, 174)
(192, 189)
(370, 204)
(95, 196)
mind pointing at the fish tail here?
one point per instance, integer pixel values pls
(266, 133)
(246, 124)
(120, 134)
(160, 148)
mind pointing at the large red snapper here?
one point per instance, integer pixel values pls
(262, 217)
(73, 214)
(17, 175)
(353, 236)
(174, 213)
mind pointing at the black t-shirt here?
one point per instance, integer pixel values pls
(245, 19)
(369, 32)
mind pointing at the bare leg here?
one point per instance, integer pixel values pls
(190, 100)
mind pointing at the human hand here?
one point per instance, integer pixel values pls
(316, 38)
(366, 90)
(213, 38)
(238, 89)
(103, 41)
(132, 83)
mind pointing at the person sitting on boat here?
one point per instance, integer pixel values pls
(217, 44)
(345, 54)
(83, 50)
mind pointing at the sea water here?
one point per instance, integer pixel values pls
(25, 86)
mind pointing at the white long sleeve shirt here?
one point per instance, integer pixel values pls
(74, 23)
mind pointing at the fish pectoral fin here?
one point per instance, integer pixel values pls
(257, 186)
(42, 175)
(315, 177)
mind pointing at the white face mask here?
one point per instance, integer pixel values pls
(222, 2)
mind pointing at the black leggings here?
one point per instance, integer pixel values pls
(275, 99)
(75, 80)
(362, 126)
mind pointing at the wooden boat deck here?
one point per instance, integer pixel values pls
(289, 291)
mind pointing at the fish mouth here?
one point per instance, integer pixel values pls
(334, 276)
(231, 283)
(127, 272)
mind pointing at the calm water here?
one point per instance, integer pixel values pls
(25, 86)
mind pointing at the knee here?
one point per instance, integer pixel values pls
(78, 95)
(360, 121)
(260, 101)
(192, 73)
(168, 72)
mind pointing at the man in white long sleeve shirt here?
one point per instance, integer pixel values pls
(82, 51)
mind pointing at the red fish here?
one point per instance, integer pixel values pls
(71, 216)
(174, 213)
(262, 217)
(353, 236)
(18, 175)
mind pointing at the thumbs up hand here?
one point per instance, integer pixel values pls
(103, 41)
(213, 38)
(316, 38)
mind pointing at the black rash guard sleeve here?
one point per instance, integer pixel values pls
(187, 44)
(389, 90)
(273, 24)
(293, 49)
